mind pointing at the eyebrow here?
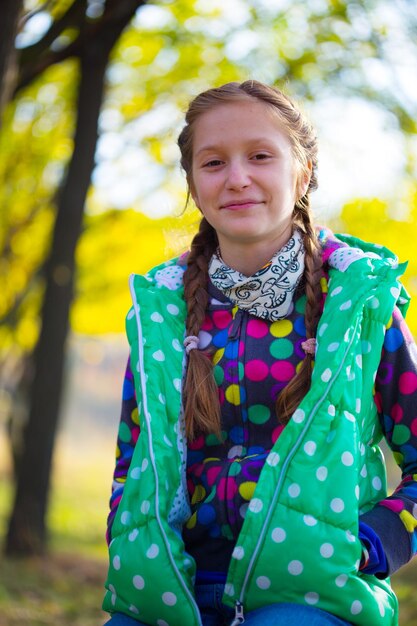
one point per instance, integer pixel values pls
(215, 147)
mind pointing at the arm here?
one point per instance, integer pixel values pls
(390, 529)
(126, 439)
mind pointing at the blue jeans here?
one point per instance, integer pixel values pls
(214, 613)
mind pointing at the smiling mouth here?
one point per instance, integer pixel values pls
(241, 204)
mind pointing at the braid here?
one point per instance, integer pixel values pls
(201, 406)
(291, 396)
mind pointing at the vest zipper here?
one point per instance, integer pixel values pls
(239, 617)
(281, 478)
(152, 455)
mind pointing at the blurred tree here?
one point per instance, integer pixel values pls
(11, 10)
(94, 39)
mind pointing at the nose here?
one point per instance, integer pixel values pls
(237, 176)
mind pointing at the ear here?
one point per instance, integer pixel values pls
(304, 179)
(193, 194)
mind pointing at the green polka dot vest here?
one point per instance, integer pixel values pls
(299, 541)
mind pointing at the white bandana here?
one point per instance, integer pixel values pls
(268, 294)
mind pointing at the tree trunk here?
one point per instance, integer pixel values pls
(10, 13)
(27, 529)
(26, 534)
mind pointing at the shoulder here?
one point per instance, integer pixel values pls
(168, 274)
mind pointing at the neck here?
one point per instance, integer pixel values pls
(249, 258)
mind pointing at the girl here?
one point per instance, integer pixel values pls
(266, 364)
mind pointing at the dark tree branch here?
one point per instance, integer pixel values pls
(37, 58)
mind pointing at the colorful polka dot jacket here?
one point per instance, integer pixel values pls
(269, 508)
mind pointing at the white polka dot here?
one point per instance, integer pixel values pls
(238, 553)
(395, 292)
(309, 520)
(298, 416)
(364, 471)
(153, 551)
(173, 309)
(176, 345)
(135, 473)
(377, 483)
(234, 452)
(130, 314)
(273, 459)
(295, 567)
(346, 305)
(347, 458)
(144, 465)
(157, 317)
(278, 535)
(145, 506)
(138, 582)
(263, 582)
(336, 291)
(326, 550)
(312, 597)
(294, 490)
(358, 360)
(310, 447)
(358, 405)
(323, 329)
(357, 492)
(350, 536)
(167, 441)
(169, 598)
(177, 383)
(161, 622)
(356, 607)
(256, 505)
(133, 609)
(362, 449)
(229, 589)
(125, 517)
(159, 355)
(333, 346)
(116, 562)
(349, 373)
(326, 376)
(337, 505)
(133, 534)
(349, 416)
(373, 303)
(331, 410)
(161, 398)
(322, 473)
(341, 580)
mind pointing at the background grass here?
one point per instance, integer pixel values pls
(65, 588)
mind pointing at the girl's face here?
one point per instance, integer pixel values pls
(245, 179)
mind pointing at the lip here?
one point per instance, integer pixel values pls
(235, 205)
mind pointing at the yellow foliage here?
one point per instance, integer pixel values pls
(114, 245)
(371, 220)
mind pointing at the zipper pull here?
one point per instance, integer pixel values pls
(239, 617)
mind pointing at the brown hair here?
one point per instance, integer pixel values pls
(202, 410)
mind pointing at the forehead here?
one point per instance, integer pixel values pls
(247, 119)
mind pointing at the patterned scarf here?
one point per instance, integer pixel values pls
(268, 293)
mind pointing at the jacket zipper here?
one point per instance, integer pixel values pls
(152, 455)
(239, 602)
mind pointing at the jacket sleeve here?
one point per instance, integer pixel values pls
(127, 437)
(394, 519)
